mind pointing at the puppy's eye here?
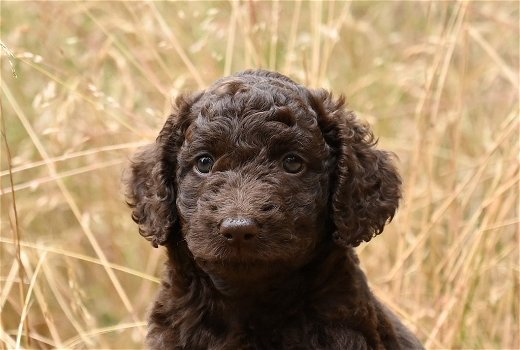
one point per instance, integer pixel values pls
(292, 164)
(204, 164)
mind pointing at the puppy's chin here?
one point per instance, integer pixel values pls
(242, 278)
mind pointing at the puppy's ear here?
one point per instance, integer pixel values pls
(366, 186)
(151, 179)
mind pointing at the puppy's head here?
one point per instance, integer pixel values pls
(258, 171)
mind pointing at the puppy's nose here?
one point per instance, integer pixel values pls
(238, 230)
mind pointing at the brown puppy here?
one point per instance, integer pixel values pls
(260, 188)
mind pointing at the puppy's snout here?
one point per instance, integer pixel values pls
(238, 230)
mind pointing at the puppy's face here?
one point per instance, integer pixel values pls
(252, 179)
(255, 172)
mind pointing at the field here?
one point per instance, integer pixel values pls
(84, 84)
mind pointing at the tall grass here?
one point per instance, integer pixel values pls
(94, 80)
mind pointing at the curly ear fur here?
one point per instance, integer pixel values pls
(151, 182)
(366, 185)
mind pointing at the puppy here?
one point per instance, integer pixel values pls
(259, 189)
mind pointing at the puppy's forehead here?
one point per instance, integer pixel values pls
(246, 118)
(244, 97)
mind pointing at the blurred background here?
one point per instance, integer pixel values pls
(83, 84)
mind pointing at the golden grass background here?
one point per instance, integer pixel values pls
(438, 81)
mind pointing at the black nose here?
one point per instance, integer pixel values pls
(238, 230)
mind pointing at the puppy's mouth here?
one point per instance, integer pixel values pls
(239, 257)
(246, 254)
(247, 263)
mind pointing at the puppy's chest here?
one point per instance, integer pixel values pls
(292, 332)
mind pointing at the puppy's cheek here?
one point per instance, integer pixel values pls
(195, 243)
(186, 202)
(200, 235)
(193, 240)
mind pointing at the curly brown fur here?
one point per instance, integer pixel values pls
(260, 188)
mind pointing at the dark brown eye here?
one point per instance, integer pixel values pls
(292, 164)
(204, 164)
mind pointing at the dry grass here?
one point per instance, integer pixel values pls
(438, 81)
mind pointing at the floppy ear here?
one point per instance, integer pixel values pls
(366, 185)
(151, 182)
